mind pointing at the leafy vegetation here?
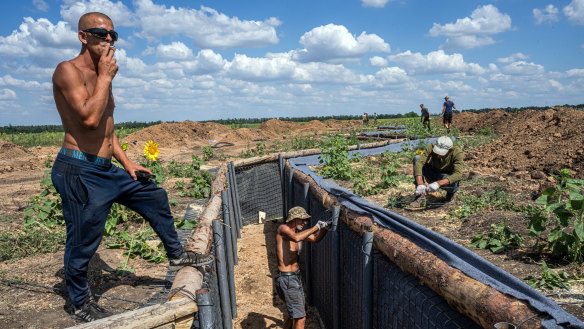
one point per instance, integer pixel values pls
(498, 240)
(562, 214)
(550, 279)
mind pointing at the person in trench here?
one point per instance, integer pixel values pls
(288, 283)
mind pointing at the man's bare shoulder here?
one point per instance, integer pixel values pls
(65, 69)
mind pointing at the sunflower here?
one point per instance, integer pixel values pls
(151, 150)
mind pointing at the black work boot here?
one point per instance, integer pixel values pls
(190, 258)
(450, 197)
(89, 311)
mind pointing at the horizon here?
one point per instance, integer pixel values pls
(222, 59)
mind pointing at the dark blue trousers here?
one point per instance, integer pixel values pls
(88, 191)
(430, 175)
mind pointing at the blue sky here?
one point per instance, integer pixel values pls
(204, 60)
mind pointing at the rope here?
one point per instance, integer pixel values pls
(11, 282)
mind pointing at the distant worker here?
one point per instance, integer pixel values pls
(289, 283)
(425, 117)
(441, 166)
(447, 113)
(365, 118)
(375, 118)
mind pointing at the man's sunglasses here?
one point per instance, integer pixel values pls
(102, 33)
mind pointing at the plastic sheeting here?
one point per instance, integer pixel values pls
(447, 250)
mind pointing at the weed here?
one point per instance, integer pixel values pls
(550, 279)
(207, 153)
(566, 202)
(34, 240)
(45, 209)
(496, 197)
(336, 158)
(498, 240)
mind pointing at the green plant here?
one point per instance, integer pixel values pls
(336, 159)
(550, 279)
(207, 153)
(34, 240)
(260, 148)
(178, 169)
(45, 208)
(500, 237)
(566, 202)
(494, 198)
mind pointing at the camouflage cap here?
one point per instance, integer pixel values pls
(297, 212)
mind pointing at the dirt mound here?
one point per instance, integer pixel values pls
(11, 151)
(530, 140)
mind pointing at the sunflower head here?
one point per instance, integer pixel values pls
(151, 150)
(419, 152)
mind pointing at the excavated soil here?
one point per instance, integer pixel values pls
(532, 146)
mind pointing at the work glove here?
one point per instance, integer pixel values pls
(420, 189)
(433, 187)
(322, 224)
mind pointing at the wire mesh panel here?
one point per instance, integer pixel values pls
(401, 302)
(351, 275)
(260, 189)
(324, 270)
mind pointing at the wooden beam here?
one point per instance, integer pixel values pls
(147, 317)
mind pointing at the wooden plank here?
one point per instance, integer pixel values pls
(147, 317)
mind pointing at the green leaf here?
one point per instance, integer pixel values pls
(579, 229)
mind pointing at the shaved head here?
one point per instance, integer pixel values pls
(87, 20)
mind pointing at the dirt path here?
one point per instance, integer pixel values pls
(258, 305)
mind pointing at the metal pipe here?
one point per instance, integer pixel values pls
(366, 247)
(228, 219)
(281, 162)
(237, 205)
(232, 203)
(336, 273)
(205, 306)
(224, 296)
(307, 246)
(230, 268)
(290, 192)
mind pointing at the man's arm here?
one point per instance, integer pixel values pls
(316, 237)
(69, 81)
(289, 233)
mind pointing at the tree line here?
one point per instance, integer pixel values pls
(10, 129)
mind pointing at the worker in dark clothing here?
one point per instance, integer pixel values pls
(425, 117)
(441, 166)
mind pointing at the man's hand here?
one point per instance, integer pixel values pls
(420, 189)
(131, 168)
(433, 187)
(107, 63)
(322, 224)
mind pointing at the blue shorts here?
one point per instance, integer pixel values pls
(88, 187)
(289, 288)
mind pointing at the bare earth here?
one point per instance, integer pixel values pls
(542, 141)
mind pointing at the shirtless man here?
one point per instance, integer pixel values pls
(289, 283)
(83, 173)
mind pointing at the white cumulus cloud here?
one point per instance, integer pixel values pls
(330, 43)
(46, 43)
(40, 5)
(575, 12)
(121, 15)
(377, 61)
(548, 14)
(7, 94)
(473, 31)
(174, 51)
(523, 68)
(435, 62)
(513, 58)
(374, 3)
(206, 27)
